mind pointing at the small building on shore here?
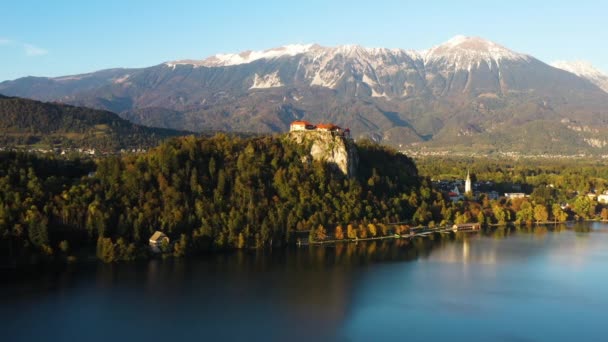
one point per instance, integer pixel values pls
(466, 227)
(156, 241)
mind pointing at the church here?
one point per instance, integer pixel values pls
(455, 195)
(468, 188)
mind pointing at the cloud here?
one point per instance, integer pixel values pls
(32, 50)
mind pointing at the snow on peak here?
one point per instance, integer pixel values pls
(314, 50)
(578, 67)
(464, 52)
(584, 69)
(250, 56)
(457, 40)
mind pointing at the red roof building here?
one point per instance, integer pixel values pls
(328, 127)
(301, 125)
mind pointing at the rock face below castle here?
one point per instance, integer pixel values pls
(331, 148)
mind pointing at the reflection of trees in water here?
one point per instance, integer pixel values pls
(539, 231)
(500, 233)
(582, 228)
(365, 252)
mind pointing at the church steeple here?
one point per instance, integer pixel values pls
(468, 189)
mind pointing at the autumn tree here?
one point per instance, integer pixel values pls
(540, 213)
(604, 214)
(339, 233)
(351, 233)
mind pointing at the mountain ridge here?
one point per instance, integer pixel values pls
(25, 122)
(586, 70)
(466, 85)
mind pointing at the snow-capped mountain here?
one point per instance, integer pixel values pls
(586, 70)
(326, 66)
(467, 53)
(318, 65)
(459, 91)
(249, 56)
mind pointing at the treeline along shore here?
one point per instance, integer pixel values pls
(227, 192)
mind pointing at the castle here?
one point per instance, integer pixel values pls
(307, 126)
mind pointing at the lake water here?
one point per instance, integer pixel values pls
(509, 285)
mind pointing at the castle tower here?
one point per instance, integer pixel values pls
(468, 189)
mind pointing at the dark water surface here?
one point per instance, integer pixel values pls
(541, 284)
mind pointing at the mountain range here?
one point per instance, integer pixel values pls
(465, 94)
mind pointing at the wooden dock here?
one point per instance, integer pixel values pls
(415, 232)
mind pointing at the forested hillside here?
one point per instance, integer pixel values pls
(206, 194)
(228, 192)
(31, 123)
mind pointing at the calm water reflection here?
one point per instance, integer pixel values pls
(509, 285)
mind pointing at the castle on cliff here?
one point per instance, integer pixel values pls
(307, 126)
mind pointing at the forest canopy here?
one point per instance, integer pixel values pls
(206, 193)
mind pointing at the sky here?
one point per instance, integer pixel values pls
(63, 37)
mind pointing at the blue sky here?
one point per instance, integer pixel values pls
(61, 37)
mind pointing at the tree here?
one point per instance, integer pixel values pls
(320, 233)
(499, 214)
(36, 227)
(362, 230)
(105, 250)
(604, 214)
(540, 213)
(351, 233)
(64, 246)
(339, 233)
(525, 213)
(422, 214)
(558, 214)
(241, 241)
(481, 218)
(180, 248)
(372, 229)
(582, 206)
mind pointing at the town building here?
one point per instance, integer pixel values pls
(512, 195)
(455, 195)
(603, 198)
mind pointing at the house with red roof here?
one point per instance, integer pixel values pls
(301, 126)
(328, 128)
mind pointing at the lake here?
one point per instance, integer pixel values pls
(540, 284)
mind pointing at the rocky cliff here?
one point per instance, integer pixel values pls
(331, 148)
